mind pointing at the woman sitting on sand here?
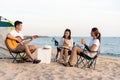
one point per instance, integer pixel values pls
(66, 44)
(93, 47)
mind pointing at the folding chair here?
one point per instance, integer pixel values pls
(15, 55)
(56, 43)
(58, 50)
(86, 61)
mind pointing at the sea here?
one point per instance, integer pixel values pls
(110, 46)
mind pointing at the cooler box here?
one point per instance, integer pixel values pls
(44, 54)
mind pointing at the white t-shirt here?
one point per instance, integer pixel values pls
(15, 34)
(96, 42)
(69, 42)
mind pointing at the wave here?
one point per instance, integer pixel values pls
(111, 54)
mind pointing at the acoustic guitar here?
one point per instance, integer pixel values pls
(13, 44)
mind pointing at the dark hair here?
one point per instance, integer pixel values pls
(69, 33)
(17, 23)
(97, 33)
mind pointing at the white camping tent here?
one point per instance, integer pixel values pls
(5, 27)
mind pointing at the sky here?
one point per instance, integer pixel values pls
(52, 17)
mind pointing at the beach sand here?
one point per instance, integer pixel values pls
(106, 69)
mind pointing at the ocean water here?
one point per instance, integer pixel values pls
(110, 46)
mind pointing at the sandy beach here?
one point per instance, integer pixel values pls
(106, 69)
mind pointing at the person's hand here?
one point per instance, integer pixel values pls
(18, 40)
(65, 42)
(34, 37)
(82, 41)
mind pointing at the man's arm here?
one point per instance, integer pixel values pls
(12, 37)
(88, 48)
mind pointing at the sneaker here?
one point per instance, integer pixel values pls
(36, 61)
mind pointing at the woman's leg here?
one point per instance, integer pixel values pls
(66, 55)
(61, 56)
(74, 54)
(61, 53)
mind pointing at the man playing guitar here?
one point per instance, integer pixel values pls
(22, 45)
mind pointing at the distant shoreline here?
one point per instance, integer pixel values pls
(38, 36)
(26, 36)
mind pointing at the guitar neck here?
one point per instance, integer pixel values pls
(26, 40)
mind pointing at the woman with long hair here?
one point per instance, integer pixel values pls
(66, 44)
